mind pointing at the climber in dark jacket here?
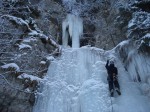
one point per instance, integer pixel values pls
(112, 78)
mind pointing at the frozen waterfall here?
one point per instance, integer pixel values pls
(72, 28)
(77, 82)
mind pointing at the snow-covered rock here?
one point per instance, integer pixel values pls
(13, 66)
(50, 58)
(146, 39)
(30, 39)
(43, 62)
(31, 77)
(24, 46)
(139, 24)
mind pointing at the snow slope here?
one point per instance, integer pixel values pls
(77, 82)
(132, 98)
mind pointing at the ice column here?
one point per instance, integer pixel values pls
(72, 27)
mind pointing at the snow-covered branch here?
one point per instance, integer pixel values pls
(46, 39)
(17, 20)
(13, 66)
(20, 21)
(30, 77)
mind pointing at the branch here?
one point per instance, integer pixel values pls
(46, 39)
(21, 22)
(17, 20)
(11, 33)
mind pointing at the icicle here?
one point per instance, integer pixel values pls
(72, 26)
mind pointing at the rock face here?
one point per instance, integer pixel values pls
(14, 101)
(105, 22)
(22, 52)
(18, 93)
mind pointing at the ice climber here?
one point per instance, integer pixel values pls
(112, 78)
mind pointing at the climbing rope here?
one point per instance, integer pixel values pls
(111, 104)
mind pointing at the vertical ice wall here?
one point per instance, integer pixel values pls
(135, 68)
(136, 63)
(76, 82)
(72, 28)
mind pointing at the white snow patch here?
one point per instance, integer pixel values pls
(123, 43)
(48, 39)
(147, 36)
(43, 62)
(131, 23)
(50, 58)
(18, 20)
(27, 90)
(27, 76)
(33, 32)
(30, 39)
(11, 65)
(24, 46)
(13, 0)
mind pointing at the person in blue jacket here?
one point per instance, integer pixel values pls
(112, 78)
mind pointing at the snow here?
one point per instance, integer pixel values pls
(50, 58)
(27, 76)
(74, 24)
(13, 0)
(133, 61)
(147, 35)
(11, 65)
(24, 46)
(30, 39)
(48, 39)
(147, 39)
(77, 82)
(131, 23)
(73, 1)
(131, 94)
(27, 90)
(33, 32)
(72, 5)
(140, 20)
(43, 62)
(18, 20)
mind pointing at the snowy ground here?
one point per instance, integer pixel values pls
(132, 99)
(77, 82)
